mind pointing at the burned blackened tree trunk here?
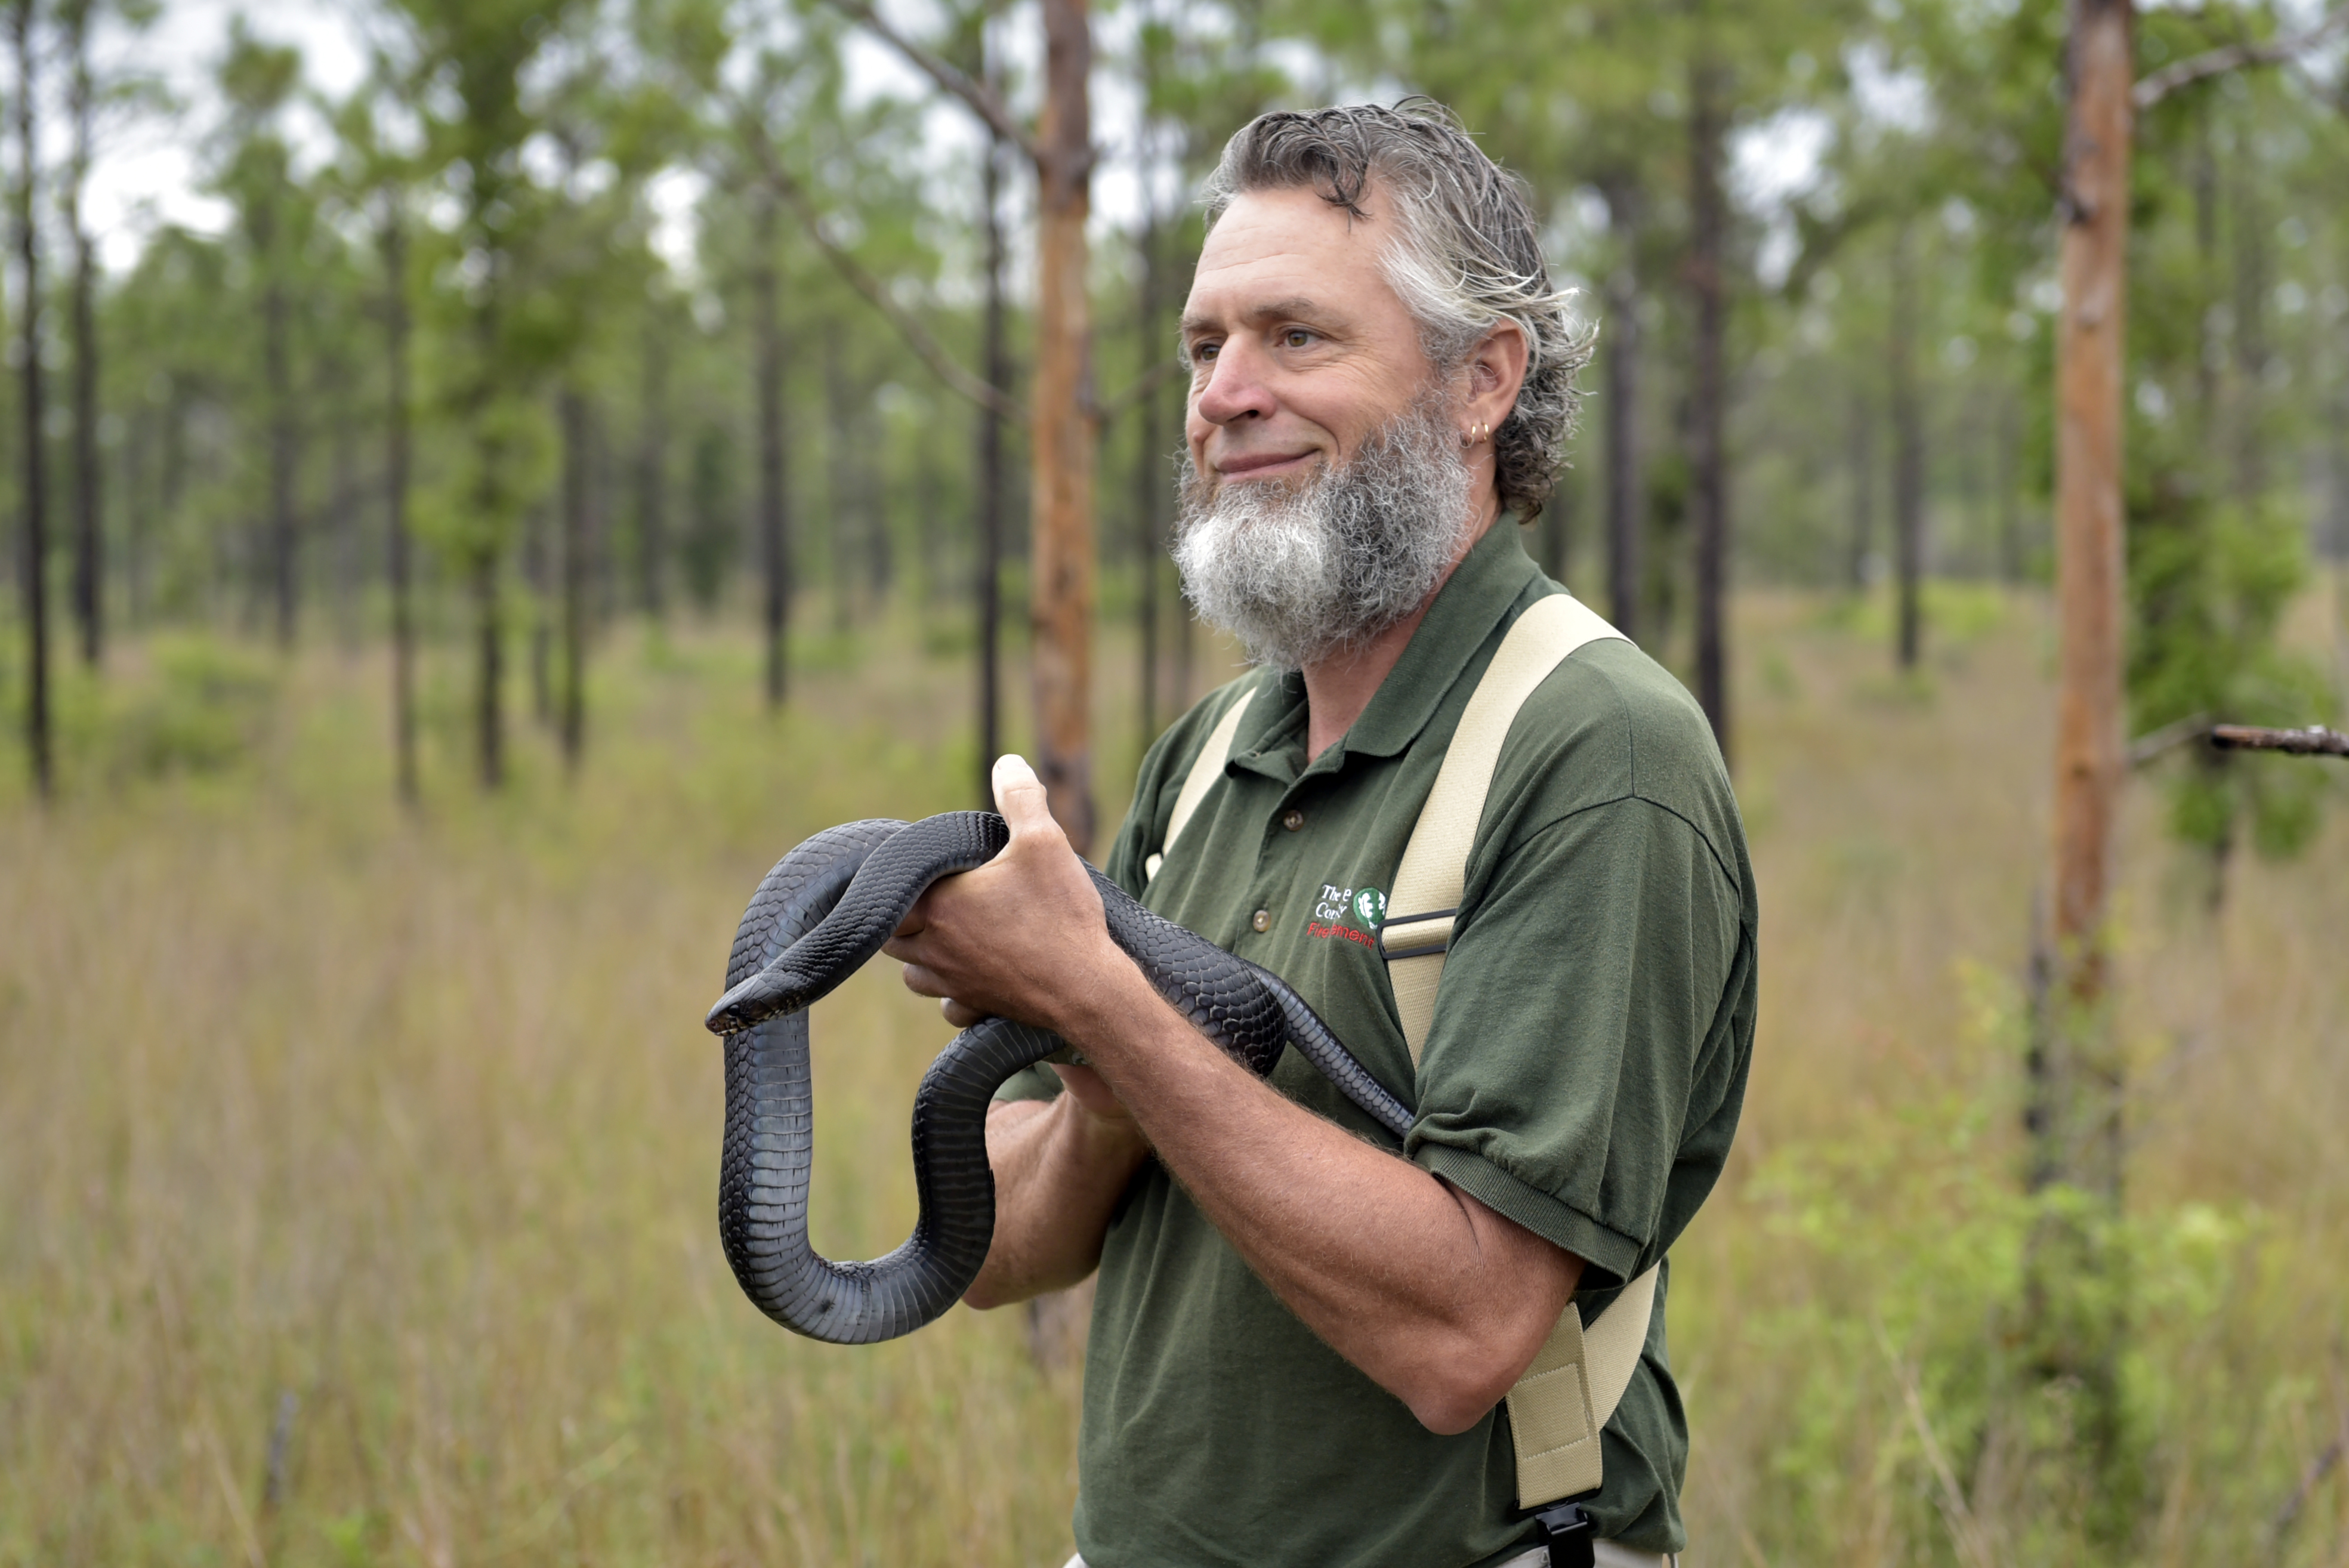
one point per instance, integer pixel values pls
(774, 521)
(278, 377)
(392, 242)
(652, 475)
(1862, 461)
(88, 542)
(1627, 488)
(572, 709)
(841, 509)
(1708, 385)
(1908, 453)
(34, 569)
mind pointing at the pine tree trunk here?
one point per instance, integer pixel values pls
(89, 561)
(1908, 455)
(491, 505)
(538, 576)
(839, 495)
(32, 458)
(285, 544)
(868, 431)
(1863, 493)
(393, 240)
(995, 358)
(652, 477)
(1149, 477)
(573, 726)
(2074, 1109)
(489, 633)
(2010, 493)
(774, 523)
(1627, 480)
(138, 526)
(1558, 526)
(2089, 765)
(1709, 389)
(1066, 429)
(347, 534)
(2252, 354)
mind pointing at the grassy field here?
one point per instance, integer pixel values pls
(358, 1170)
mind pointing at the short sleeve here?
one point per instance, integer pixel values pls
(1583, 1031)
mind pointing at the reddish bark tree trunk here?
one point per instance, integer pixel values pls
(2089, 754)
(1062, 446)
(996, 368)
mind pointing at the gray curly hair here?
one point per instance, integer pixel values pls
(1466, 255)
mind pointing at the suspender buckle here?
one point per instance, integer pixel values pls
(1568, 1533)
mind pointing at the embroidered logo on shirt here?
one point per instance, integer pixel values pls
(1363, 907)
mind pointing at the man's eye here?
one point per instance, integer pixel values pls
(1295, 338)
(1204, 353)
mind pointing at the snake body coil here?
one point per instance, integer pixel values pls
(826, 908)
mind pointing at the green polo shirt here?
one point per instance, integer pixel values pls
(1583, 1076)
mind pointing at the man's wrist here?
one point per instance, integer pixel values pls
(1101, 1011)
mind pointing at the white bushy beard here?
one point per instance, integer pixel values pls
(1301, 571)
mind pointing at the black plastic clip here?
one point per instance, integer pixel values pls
(1568, 1534)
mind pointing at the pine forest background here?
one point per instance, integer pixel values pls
(487, 508)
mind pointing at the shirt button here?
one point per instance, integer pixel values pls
(1263, 920)
(1293, 820)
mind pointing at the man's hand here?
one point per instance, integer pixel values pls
(1021, 937)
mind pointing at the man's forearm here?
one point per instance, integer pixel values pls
(1435, 1297)
(1059, 1173)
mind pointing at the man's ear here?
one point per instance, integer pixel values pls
(1497, 369)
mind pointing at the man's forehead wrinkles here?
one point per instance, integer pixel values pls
(1296, 305)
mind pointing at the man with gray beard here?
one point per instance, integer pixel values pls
(1305, 1326)
(1302, 569)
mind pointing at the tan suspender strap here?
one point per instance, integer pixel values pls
(1425, 899)
(1204, 771)
(1560, 1407)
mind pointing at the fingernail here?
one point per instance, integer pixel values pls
(1012, 769)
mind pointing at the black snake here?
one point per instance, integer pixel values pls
(827, 908)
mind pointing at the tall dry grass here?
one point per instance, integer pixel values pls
(358, 1172)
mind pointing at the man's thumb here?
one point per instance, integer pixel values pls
(1019, 794)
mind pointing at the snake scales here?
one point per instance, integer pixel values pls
(826, 908)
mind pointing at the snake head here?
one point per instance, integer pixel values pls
(778, 988)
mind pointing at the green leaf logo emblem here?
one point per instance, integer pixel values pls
(1370, 907)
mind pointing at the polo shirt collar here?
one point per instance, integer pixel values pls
(1472, 602)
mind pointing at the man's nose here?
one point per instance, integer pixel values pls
(1235, 387)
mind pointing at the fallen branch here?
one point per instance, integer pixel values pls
(2211, 63)
(2316, 740)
